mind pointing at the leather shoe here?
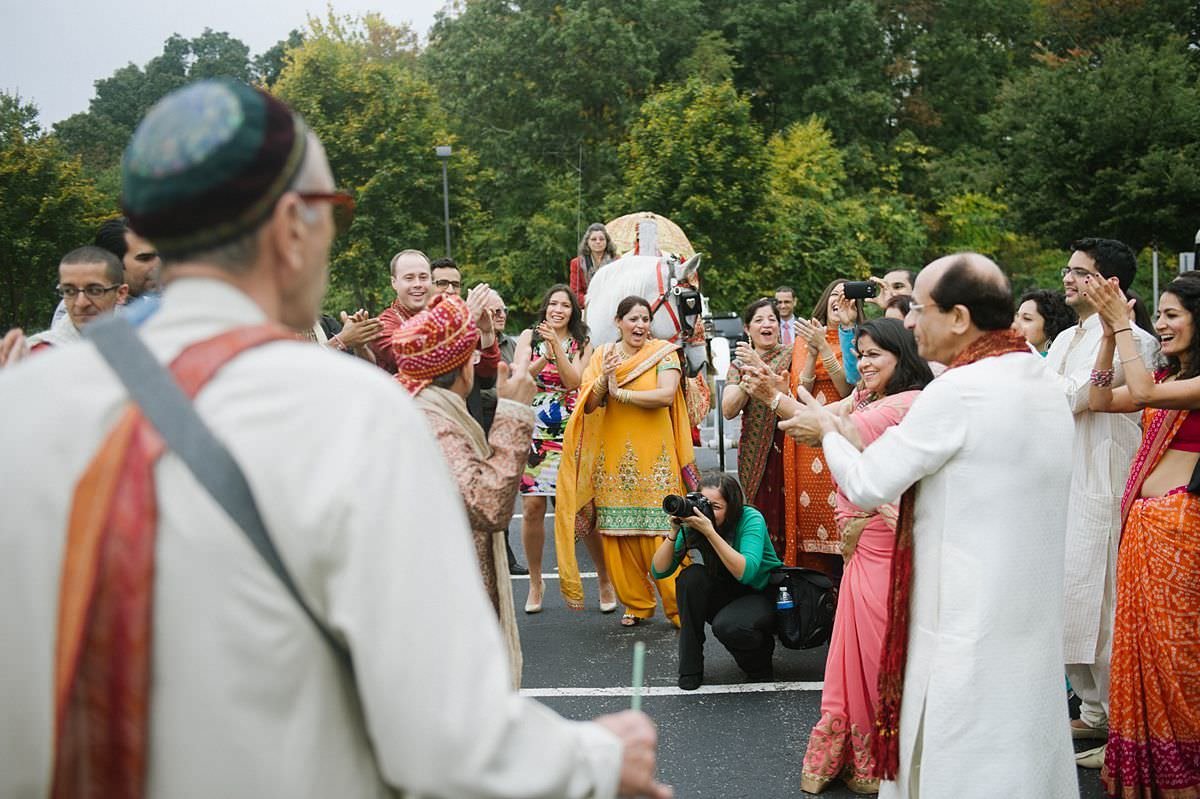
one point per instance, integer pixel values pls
(1082, 731)
(1091, 758)
(517, 568)
(690, 682)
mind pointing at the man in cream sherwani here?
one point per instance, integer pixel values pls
(247, 698)
(989, 444)
(1104, 446)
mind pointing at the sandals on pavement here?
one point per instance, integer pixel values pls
(629, 620)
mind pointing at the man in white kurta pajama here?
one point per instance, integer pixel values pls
(989, 443)
(247, 699)
(1103, 450)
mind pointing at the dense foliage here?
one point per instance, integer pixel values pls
(794, 141)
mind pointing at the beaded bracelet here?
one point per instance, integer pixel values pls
(1102, 378)
(775, 402)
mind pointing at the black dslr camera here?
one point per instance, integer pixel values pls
(687, 505)
(696, 545)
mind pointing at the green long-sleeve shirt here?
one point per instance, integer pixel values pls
(751, 540)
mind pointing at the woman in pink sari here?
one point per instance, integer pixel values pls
(893, 375)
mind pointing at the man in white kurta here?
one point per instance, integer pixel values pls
(1102, 452)
(247, 699)
(989, 445)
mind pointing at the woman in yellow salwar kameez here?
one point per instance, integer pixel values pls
(627, 445)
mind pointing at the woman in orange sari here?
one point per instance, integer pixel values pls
(811, 537)
(627, 445)
(1153, 745)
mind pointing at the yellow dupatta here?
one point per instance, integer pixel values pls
(582, 441)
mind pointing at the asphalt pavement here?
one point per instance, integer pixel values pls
(729, 739)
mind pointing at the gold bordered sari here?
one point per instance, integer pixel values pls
(619, 461)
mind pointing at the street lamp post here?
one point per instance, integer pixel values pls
(443, 153)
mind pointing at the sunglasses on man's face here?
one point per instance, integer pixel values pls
(342, 203)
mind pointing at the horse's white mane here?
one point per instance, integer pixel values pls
(629, 274)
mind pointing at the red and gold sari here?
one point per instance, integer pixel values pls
(1154, 720)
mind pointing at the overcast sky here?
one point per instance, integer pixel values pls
(53, 51)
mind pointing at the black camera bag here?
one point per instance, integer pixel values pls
(810, 621)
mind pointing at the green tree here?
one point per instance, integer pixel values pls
(1072, 26)
(270, 63)
(542, 92)
(695, 155)
(379, 122)
(1104, 145)
(951, 58)
(47, 208)
(825, 57)
(821, 228)
(99, 135)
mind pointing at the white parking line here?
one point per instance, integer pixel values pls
(739, 688)
(549, 515)
(583, 575)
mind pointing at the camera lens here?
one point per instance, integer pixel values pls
(675, 505)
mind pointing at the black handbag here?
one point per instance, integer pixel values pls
(809, 622)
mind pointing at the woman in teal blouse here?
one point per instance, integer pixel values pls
(724, 584)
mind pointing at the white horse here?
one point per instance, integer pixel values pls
(661, 281)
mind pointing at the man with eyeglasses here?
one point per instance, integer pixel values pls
(149, 649)
(446, 277)
(91, 282)
(970, 686)
(141, 262)
(1103, 449)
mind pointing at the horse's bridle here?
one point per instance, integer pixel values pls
(685, 311)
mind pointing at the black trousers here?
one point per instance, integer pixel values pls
(742, 619)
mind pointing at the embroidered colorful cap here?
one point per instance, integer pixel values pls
(207, 165)
(438, 340)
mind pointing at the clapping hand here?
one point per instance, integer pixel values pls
(809, 425)
(1110, 303)
(761, 383)
(359, 328)
(812, 332)
(480, 301)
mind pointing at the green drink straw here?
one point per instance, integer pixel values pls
(639, 670)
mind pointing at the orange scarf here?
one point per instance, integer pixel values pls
(885, 747)
(105, 609)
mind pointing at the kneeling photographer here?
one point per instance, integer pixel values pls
(732, 557)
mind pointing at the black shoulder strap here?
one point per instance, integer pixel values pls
(165, 405)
